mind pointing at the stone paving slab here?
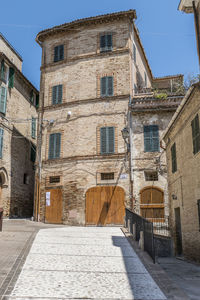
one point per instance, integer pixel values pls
(62, 270)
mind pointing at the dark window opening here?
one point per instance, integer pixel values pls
(173, 158)
(106, 43)
(58, 53)
(151, 176)
(26, 178)
(107, 176)
(54, 179)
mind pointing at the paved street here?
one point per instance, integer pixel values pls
(84, 263)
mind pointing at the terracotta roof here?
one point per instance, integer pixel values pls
(169, 76)
(129, 13)
(149, 102)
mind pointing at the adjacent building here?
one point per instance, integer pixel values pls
(91, 69)
(18, 121)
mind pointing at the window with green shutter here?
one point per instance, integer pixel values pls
(3, 99)
(106, 86)
(151, 138)
(107, 140)
(54, 145)
(3, 71)
(173, 158)
(33, 153)
(33, 128)
(58, 53)
(57, 93)
(106, 42)
(196, 134)
(1, 142)
(11, 77)
(134, 53)
(31, 96)
(37, 101)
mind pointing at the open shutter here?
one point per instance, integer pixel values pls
(56, 49)
(33, 131)
(195, 134)
(57, 145)
(59, 94)
(2, 70)
(1, 142)
(134, 53)
(3, 96)
(109, 41)
(111, 139)
(103, 140)
(54, 94)
(37, 101)
(31, 96)
(51, 146)
(110, 86)
(11, 77)
(103, 86)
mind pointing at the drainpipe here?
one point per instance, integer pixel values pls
(131, 153)
(196, 22)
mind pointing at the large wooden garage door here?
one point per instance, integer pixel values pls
(105, 205)
(53, 213)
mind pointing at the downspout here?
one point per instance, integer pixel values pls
(196, 22)
(131, 154)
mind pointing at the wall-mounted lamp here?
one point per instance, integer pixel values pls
(174, 197)
(125, 135)
(51, 122)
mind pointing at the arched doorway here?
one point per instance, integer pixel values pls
(105, 205)
(152, 204)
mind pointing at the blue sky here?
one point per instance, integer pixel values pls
(168, 35)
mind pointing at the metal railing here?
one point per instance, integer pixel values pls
(136, 225)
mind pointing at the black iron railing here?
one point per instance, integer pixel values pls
(139, 226)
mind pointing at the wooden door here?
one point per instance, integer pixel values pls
(54, 206)
(105, 205)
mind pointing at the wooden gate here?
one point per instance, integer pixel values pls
(53, 213)
(105, 205)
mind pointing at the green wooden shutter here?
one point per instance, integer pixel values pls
(103, 86)
(57, 145)
(2, 70)
(37, 101)
(134, 53)
(61, 52)
(3, 98)
(173, 158)
(54, 94)
(196, 134)
(147, 139)
(31, 96)
(109, 86)
(151, 138)
(11, 77)
(59, 93)
(111, 139)
(33, 128)
(109, 41)
(33, 153)
(1, 142)
(51, 146)
(102, 43)
(103, 140)
(56, 54)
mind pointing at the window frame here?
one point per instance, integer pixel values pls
(55, 90)
(106, 48)
(52, 153)
(151, 138)
(58, 57)
(106, 87)
(107, 140)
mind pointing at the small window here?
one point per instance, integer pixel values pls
(134, 53)
(195, 134)
(33, 128)
(57, 93)
(106, 86)
(54, 145)
(58, 53)
(26, 178)
(33, 153)
(173, 158)
(198, 205)
(151, 175)
(1, 142)
(54, 179)
(151, 138)
(107, 140)
(106, 43)
(107, 176)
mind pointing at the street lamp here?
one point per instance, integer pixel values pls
(125, 135)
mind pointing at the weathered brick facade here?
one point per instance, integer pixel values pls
(184, 183)
(16, 167)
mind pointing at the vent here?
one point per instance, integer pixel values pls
(151, 175)
(107, 176)
(54, 179)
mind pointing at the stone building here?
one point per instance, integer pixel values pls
(18, 118)
(91, 68)
(150, 116)
(182, 139)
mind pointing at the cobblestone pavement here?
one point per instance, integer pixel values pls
(84, 263)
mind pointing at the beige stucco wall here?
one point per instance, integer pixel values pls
(10, 53)
(185, 182)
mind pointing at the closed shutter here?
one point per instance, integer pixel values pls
(56, 54)
(57, 94)
(109, 41)
(195, 134)
(54, 145)
(33, 129)
(151, 138)
(173, 158)
(102, 43)
(107, 140)
(110, 86)
(11, 77)
(103, 86)
(105, 42)
(1, 142)
(3, 96)
(2, 70)
(61, 52)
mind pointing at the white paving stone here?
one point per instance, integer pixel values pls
(84, 263)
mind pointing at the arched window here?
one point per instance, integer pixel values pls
(152, 204)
